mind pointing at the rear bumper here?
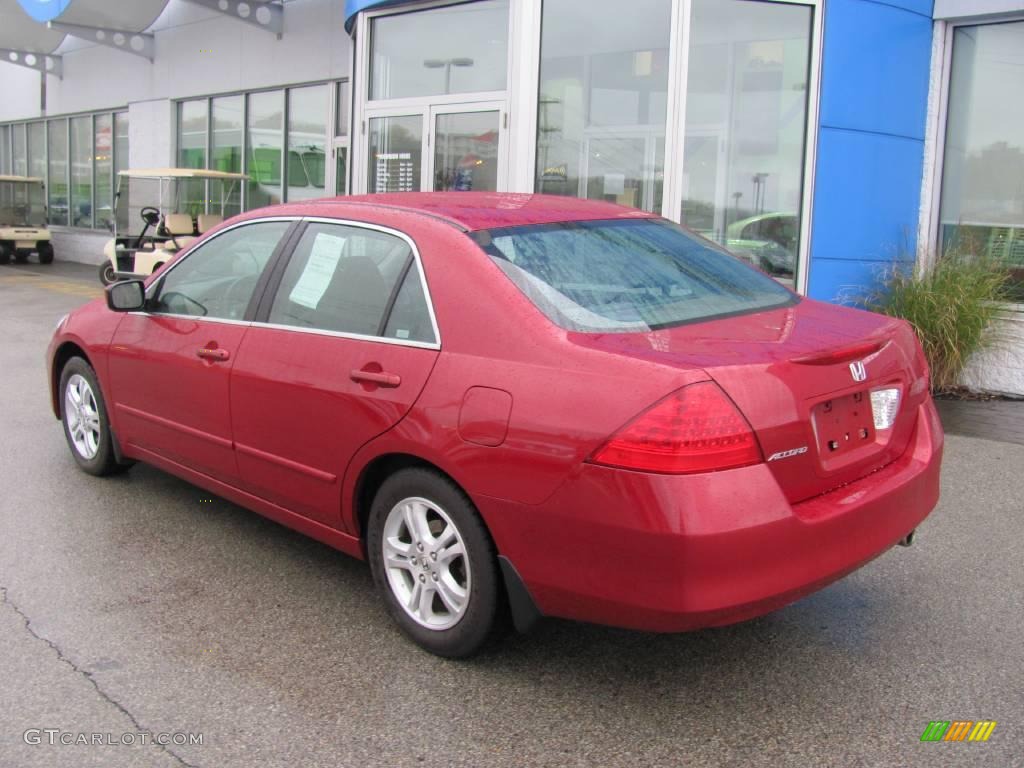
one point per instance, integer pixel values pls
(672, 553)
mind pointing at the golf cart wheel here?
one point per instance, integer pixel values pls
(45, 250)
(107, 274)
(20, 257)
(5, 253)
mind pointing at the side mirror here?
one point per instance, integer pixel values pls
(126, 296)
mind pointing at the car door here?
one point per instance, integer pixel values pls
(345, 346)
(170, 366)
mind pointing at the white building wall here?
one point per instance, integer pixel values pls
(197, 52)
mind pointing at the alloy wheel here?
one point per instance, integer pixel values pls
(426, 564)
(82, 417)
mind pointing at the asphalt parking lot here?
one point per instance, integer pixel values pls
(142, 604)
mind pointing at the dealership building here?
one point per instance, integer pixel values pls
(822, 140)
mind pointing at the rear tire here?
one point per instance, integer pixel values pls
(107, 274)
(83, 413)
(434, 563)
(5, 253)
(45, 250)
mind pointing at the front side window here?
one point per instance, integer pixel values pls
(627, 276)
(353, 280)
(217, 279)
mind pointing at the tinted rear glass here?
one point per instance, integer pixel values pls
(625, 276)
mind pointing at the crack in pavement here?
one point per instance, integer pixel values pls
(88, 676)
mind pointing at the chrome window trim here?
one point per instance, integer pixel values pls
(435, 345)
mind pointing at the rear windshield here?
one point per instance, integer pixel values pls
(625, 276)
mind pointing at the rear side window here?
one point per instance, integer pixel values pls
(353, 280)
(624, 276)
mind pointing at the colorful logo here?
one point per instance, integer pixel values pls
(958, 730)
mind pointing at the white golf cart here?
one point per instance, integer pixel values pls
(174, 206)
(23, 220)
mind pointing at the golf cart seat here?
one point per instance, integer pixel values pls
(180, 227)
(207, 221)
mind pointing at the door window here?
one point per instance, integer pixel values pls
(351, 280)
(218, 278)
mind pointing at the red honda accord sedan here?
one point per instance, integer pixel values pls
(514, 405)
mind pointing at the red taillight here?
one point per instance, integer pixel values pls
(696, 429)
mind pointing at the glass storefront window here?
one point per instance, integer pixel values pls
(103, 158)
(341, 117)
(227, 115)
(982, 199)
(746, 124)
(603, 97)
(81, 171)
(20, 159)
(264, 140)
(454, 49)
(307, 138)
(396, 154)
(5, 149)
(192, 154)
(36, 152)
(57, 141)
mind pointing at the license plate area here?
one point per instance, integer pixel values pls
(843, 424)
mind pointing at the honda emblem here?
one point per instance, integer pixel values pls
(858, 371)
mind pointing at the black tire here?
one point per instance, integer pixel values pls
(20, 257)
(107, 274)
(45, 251)
(481, 617)
(5, 253)
(103, 461)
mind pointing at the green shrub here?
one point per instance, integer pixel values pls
(951, 306)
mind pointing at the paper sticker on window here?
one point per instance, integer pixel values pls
(323, 261)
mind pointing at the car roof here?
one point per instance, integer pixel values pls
(482, 210)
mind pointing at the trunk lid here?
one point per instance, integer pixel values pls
(789, 372)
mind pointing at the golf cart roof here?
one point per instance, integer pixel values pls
(22, 179)
(179, 173)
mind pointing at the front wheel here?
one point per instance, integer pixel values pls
(45, 250)
(84, 416)
(107, 274)
(434, 563)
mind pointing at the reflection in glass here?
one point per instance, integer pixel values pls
(81, 171)
(746, 120)
(226, 149)
(982, 208)
(103, 148)
(341, 169)
(5, 149)
(396, 148)
(344, 105)
(191, 154)
(57, 142)
(20, 152)
(307, 137)
(264, 133)
(466, 152)
(603, 97)
(37, 150)
(456, 49)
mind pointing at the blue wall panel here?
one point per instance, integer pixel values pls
(874, 101)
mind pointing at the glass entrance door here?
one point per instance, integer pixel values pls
(467, 149)
(449, 148)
